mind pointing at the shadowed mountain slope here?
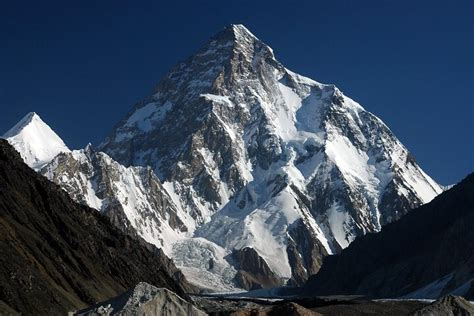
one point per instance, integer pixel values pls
(426, 254)
(58, 256)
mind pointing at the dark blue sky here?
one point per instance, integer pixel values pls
(81, 67)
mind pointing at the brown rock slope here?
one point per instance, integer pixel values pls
(58, 256)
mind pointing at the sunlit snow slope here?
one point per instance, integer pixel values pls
(36, 142)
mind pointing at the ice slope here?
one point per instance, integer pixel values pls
(36, 142)
(205, 263)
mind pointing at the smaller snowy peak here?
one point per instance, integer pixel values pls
(36, 142)
(27, 119)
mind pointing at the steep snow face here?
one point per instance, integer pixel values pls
(262, 157)
(36, 142)
(132, 197)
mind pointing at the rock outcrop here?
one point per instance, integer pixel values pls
(144, 300)
(253, 272)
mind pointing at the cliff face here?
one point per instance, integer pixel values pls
(59, 256)
(426, 254)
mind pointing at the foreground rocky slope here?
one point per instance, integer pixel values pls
(426, 254)
(263, 158)
(144, 299)
(58, 256)
(338, 305)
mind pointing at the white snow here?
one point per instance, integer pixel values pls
(36, 142)
(148, 115)
(338, 222)
(90, 196)
(349, 159)
(285, 120)
(422, 184)
(218, 99)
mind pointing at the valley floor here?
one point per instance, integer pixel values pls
(337, 305)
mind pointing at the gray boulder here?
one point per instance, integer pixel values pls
(144, 299)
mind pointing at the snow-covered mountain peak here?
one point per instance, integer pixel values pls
(265, 159)
(234, 33)
(240, 28)
(27, 119)
(36, 142)
(237, 33)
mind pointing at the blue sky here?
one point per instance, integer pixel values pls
(82, 67)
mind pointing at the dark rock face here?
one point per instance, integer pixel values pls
(427, 253)
(305, 253)
(58, 256)
(448, 305)
(253, 272)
